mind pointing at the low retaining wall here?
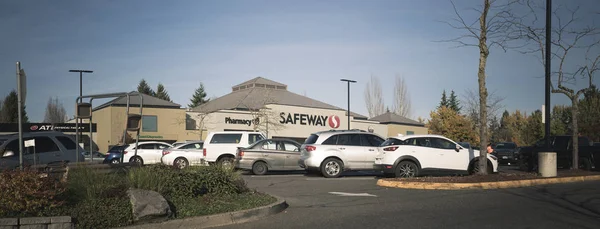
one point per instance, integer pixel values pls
(56, 222)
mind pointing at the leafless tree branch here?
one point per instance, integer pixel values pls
(373, 97)
(402, 104)
(55, 112)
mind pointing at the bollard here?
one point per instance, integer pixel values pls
(547, 164)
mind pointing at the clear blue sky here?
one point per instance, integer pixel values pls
(308, 45)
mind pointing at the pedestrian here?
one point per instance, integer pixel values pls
(489, 148)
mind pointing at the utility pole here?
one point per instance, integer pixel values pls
(348, 115)
(547, 71)
(79, 136)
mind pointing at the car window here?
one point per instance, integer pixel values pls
(423, 142)
(393, 141)
(192, 146)
(441, 143)
(14, 146)
(505, 146)
(146, 146)
(331, 140)
(162, 146)
(252, 138)
(269, 145)
(68, 143)
(349, 139)
(226, 138)
(290, 146)
(45, 144)
(371, 140)
(312, 139)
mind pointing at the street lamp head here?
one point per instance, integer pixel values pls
(347, 80)
(84, 71)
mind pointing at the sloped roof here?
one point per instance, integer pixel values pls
(256, 97)
(389, 117)
(260, 81)
(134, 100)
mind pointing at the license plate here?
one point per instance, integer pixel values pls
(504, 157)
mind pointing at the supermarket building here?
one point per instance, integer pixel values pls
(256, 105)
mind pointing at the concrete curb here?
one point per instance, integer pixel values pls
(219, 219)
(483, 185)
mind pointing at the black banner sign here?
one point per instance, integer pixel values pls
(35, 127)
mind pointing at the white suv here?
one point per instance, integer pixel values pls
(413, 155)
(335, 151)
(149, 152)
(221, 147)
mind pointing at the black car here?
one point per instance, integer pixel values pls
(589, 154)
(506, 152)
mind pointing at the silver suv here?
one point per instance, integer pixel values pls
(335, 151)
(50, 147)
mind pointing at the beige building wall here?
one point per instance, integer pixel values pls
(395, 129)
(379, 129)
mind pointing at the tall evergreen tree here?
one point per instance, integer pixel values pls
(444, 102)
(453, 103)
(10, 113)
(162, 93)
(144, 88)
(199, 97)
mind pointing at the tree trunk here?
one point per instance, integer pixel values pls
(483, 55)
(574, 112)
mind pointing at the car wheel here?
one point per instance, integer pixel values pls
(407, 169)
(180, 163)
(226, 162)
(332, 168)
(585, 164)
(115, 161)
(136, 160)
(259, 168)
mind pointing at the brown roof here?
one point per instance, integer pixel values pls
(392, 118)
(134, 100)
(254, 98)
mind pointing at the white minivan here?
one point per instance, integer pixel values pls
(221, 147)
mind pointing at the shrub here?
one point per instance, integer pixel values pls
(85, 183)
(28, 193)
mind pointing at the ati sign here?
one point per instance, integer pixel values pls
(313, 120)
(248, 122)
(36, 127)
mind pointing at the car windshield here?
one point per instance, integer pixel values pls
(505, 146)
(464, 144)
(256, 143)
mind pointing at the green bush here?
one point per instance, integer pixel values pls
(28, 193)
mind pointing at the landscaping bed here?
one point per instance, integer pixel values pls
(96, 200)
(501, 176)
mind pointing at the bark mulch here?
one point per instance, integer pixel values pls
(501, 176)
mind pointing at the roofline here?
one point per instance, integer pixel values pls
(401, 123)
(137, 106)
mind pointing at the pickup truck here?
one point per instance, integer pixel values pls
(589, 155)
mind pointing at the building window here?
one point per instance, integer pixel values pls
(408, 132)
(149, 123)
(190, 123)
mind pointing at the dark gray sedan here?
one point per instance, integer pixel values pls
(269, 154)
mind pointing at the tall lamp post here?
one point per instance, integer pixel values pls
(547, 71)
(81, 94)
(348, 81)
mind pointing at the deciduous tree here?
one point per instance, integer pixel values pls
(445, 121)
(374, 97)
(402, 103)
(55, 112)
(589, 114)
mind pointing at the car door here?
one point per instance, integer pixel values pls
(192, 152)
(47, 151)
(145, 152)
(11, 162)
(352, 150)
(274, 154)
(69, 147)
(156, 154)
(370, 143)
(421, 149)
(292, 156)
(448, 157)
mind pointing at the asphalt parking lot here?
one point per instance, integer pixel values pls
(356, 201)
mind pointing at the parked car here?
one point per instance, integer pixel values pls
(97, 156)
(506, 152)
(335, 151)
(589, 155)
(149, 152)
(184, 155)
(269, 155)
(415, 155)
(113, 156)
(50, 147)
(221, 147)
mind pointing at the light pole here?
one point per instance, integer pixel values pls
(348, 81)
(547, 71)
(81, 99)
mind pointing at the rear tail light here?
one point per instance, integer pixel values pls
(166, 152)
(241, 153)
(393, 148)
(310, 148)
(204, 152)
(125, 152)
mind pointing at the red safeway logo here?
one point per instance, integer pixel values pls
(334, 121)
(34, 127)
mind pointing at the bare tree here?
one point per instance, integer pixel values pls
(373, 97)
(264, 119)
(55, 112)
(493, 28)
(402, 105)
(493, 106)
(568, 40)
(197, 122)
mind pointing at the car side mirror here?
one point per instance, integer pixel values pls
(458, 148)
(8, 153)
